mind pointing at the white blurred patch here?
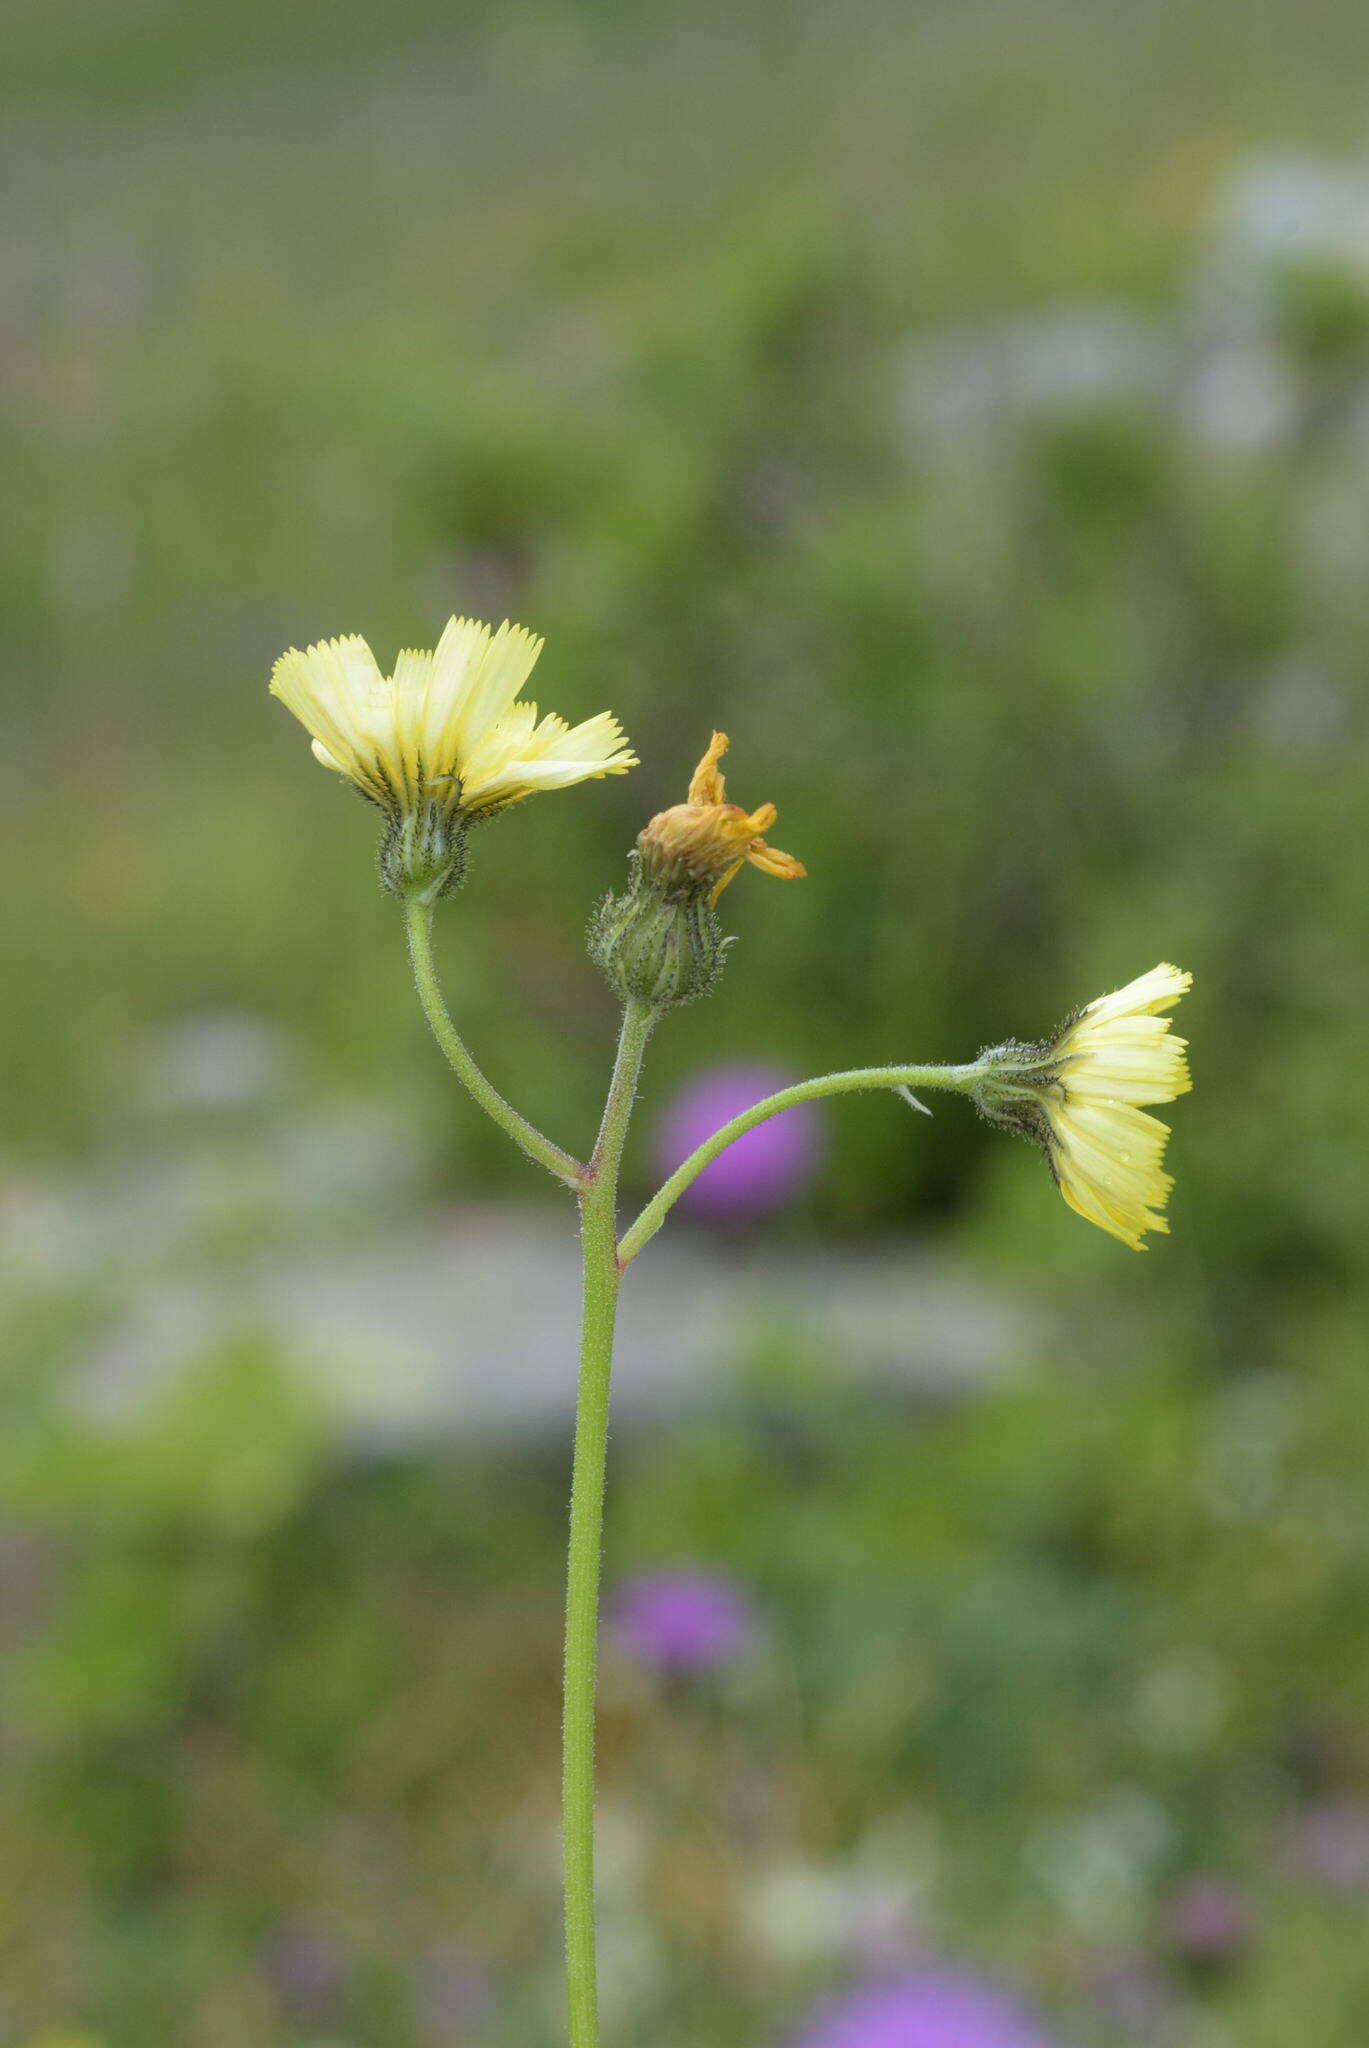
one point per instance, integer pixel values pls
(1284, 208)
(1275, 215)
(870, 1909)
(1098, 1865)
(213, 1060)
(1241, 398)
(980, 380)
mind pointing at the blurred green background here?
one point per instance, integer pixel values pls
(967, 406)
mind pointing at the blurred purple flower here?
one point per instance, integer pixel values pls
(308, 1968)
(456, 1992)
(1330, 1843)
(761, 1171)
(1209, 1919)
(931, 2008)
(682, 1620)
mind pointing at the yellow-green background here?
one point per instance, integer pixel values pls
(332, 318)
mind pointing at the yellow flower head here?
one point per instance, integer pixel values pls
(697, 847)
(443, 740)
(1082, 1097)
(446, 725)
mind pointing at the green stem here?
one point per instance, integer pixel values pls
(418, 917)
(960, 1079)
(602, 1274)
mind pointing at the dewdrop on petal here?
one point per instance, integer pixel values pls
(661, 943)
(1081, 1096)
(441, 742)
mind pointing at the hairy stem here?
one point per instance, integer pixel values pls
(960, 1079)
(418, 917)
(598, 1232)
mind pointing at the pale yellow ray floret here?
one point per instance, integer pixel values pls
(1082, 1096)
(447, 727)
(1117, 1055)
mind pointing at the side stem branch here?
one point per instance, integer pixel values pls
(960, 1079)
(418, 926)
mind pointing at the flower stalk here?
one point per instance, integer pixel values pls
(444, 741)
(959, 1079)
(602, 1275)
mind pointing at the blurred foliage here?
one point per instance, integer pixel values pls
(274, 1756)
(332, 320)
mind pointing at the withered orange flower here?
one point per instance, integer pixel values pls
(700, 844)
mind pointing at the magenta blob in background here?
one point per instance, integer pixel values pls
(682, 1620)
(1330, 1843)
(1209, 1918)
(760, 1172)
(930, 2008)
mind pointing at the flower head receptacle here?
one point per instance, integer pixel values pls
(661, 942)
(442, 741)
(1081, 1096)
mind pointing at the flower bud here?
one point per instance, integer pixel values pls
(661, 943)
(656, 949)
